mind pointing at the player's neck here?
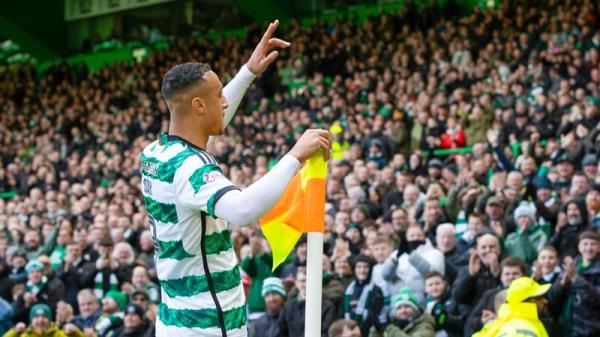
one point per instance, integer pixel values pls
(192, 135)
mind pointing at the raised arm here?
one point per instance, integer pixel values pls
(259, 61)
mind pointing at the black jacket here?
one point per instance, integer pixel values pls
(486, 303)
(291, 321)
(266, 326)
(6, 284)
(79, 276)
(468, 290)
(144, 330)
(585, 305)
(52, 292)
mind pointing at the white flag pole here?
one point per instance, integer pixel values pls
(314, 284)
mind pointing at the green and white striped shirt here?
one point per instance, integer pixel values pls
(201, 288)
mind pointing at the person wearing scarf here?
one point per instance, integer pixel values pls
(38, 290)
(364, 302)
(407, 319)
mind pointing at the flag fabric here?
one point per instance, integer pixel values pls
(301, 209)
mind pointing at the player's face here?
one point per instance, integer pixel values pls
(215, 102)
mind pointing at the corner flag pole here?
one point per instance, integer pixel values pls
(314, 284)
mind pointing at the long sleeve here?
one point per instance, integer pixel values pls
(246, 207)
(234, 91)
(388, 269)
(464, 287)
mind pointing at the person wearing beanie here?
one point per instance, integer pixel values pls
(111, 319)
(42, 324)
(38, 290)
(547, 204)
(274, 294)
(364, 301)
(528, 239)
(135, 324)
(519, 316)
(407, 318)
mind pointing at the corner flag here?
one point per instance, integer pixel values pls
(301, 209)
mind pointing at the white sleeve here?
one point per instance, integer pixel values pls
(245, 207)
(235, 90)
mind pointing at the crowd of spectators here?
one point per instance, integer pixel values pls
(418, 242)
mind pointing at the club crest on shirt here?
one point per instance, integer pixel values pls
(211, 176)
(150, 168)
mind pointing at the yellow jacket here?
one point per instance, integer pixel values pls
(339, 149)
(515, 320)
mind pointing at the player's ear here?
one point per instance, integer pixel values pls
(199, 105)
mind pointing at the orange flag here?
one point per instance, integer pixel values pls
(301, 209)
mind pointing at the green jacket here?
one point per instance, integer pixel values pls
(525, 245)
(53, 331)
(258, 268)
(423, 326)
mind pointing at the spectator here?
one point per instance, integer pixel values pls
(89, 311)
(414, 258)
(39, 290)
(408, 318)
(291, 321)
(447, 314)
(258, 267)
(577, 292)
(568, 228)
(511, 269)
(274, 295)
(135, 324)
(109, 274)
(364, 302)
(111, 319)
(344, 328)
(482, 272)
(529, 237)
(524, 304)
(140, 280)
(76, 273)
(546, 268)
(41, 325)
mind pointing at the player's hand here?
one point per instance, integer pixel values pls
(312, 141)
(261, 57)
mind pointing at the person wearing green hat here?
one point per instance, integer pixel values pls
(113, 304)
(519, 316)
(274, 294)
(407, 318)
(41, 318)
(38, 290)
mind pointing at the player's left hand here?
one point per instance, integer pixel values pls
(261, 57)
